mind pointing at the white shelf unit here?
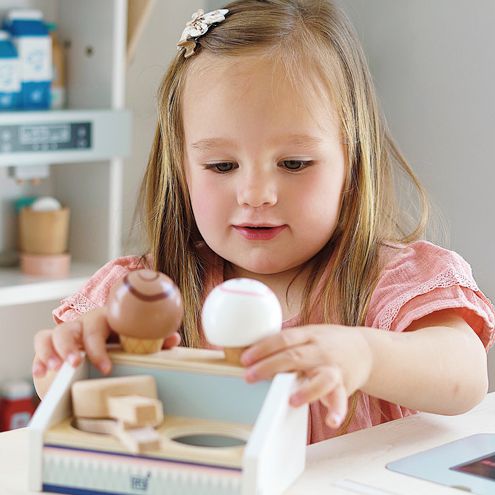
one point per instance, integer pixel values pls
(104, 142)
(17, 289)
(87, 179)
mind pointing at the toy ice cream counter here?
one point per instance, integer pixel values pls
(173, 421)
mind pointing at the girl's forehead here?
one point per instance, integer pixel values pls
(258, 77)
(246, 69)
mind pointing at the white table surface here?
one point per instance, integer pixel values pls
(353, 463)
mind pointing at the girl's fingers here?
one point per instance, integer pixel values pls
(46, 356)
(38, 368)
(274, 344)
(319, 383)
(172, 341)
(336, 403)
(326, 384)
(66, 339)
(96, 331)
(298, 358)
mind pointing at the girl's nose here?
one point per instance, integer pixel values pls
(257, 190)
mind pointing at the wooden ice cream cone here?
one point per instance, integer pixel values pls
(140, 346)
(233, 354)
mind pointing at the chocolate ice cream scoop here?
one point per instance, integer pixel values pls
(144, 308)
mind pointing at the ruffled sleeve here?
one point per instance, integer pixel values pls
(422, 278)
(94, 293)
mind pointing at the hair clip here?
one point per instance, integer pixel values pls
(197, 26)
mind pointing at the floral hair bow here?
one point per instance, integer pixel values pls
(197, 26)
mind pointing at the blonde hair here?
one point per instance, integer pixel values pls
(302, 33)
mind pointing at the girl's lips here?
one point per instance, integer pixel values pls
(259, 233)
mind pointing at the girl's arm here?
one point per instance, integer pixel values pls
(439, 367)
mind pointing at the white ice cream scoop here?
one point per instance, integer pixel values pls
(46, 203)
(238, 313)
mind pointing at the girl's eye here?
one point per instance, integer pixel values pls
(221, 168)
(296, 165)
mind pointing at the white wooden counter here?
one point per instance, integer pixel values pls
(353, 463)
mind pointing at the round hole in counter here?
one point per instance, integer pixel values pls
(209, 440)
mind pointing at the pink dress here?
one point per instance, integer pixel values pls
(417, 280)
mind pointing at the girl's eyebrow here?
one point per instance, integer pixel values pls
(211, 143)
(301, 140)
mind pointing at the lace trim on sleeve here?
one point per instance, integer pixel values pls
(80, 303)
(448, 278)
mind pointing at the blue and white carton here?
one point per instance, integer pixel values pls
(10, 79)
(32, 40)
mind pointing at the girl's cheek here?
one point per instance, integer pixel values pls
(199, 191)
(209, 209)
(199, 199)
(201, 209)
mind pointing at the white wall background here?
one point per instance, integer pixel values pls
(434, 68)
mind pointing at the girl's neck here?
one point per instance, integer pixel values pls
(290, 300)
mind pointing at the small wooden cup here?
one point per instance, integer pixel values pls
(43, 232)
(46, 265)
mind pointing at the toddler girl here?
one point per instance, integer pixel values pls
(271, 161)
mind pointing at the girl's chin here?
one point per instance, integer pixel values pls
(261, 267)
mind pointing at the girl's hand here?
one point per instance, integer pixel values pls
(66, 341)
(334, 360)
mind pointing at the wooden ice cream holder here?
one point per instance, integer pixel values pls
(43, 240)
(216, 434)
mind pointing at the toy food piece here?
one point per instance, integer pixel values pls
(130, 399)
(125, 407)
(238, 313)
(144, 308)
(136, 440)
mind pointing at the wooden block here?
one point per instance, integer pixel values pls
(135, 411)
(136, 440)
(90, 397)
